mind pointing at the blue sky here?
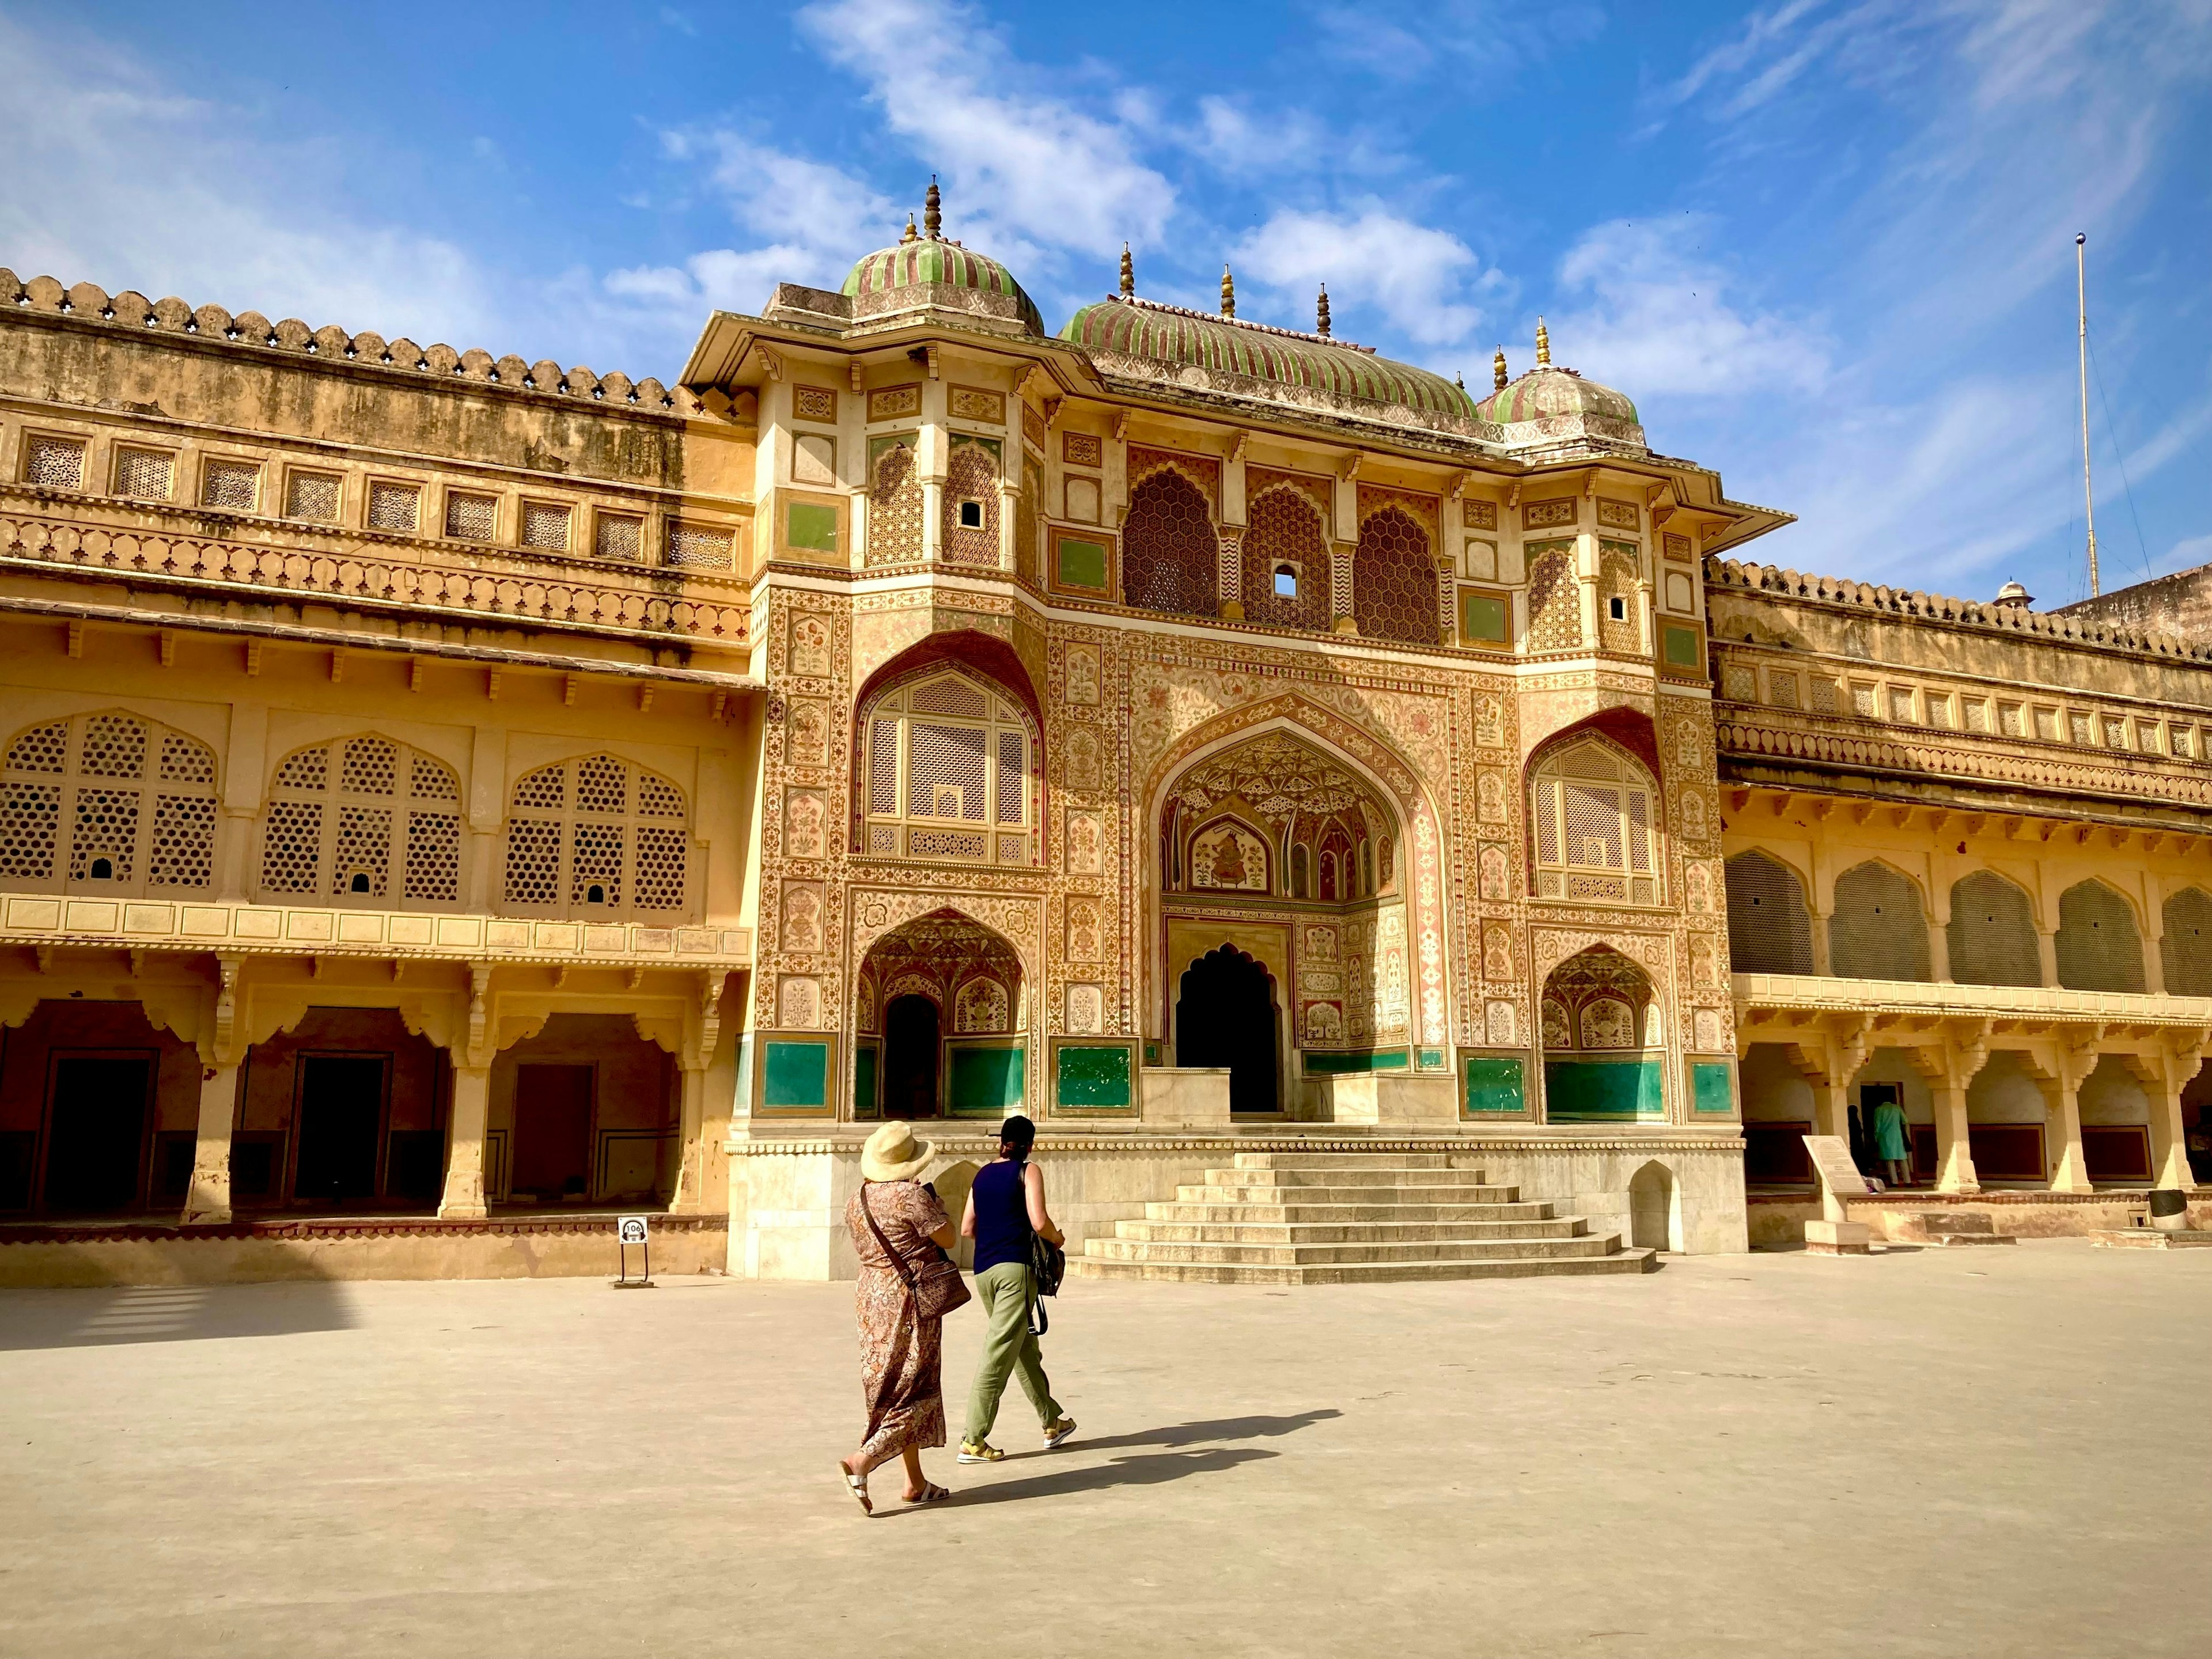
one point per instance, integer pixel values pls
(1827, 245)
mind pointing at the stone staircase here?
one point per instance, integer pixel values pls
(1325, 1219)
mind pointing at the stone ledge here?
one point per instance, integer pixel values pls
(341, 1227)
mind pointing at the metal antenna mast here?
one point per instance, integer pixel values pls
(2088, 496)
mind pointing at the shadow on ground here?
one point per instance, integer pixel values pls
(169, 1313)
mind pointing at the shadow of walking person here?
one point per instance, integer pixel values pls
(1192, 1434)
(1149, 1469)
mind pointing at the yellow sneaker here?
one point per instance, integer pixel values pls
(982, 1451)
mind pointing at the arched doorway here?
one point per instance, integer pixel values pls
(939, 1022)
(911, 1033)
(1603, 1047)
(1225, 1015)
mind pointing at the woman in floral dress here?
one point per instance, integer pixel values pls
(900, 1349)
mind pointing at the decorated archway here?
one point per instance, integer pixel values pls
(1279, 848)
(1604, 1041)
(940, 1022)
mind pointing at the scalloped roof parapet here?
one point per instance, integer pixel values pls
(1937, 607)
(211, 322)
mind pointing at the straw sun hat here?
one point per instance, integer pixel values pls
(893, 1154)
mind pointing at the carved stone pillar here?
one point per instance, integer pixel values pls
(1340, 588)
(464, 1146)
(471, 1116)
(207, 1200)
(2070, 1170)
(1229, 575)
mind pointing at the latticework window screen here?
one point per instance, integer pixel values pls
(1992, 933)
(2186, 946)
(1286, 532)
(1555, 604)
(1595, 837)
(597, 838)
(950, 774)
(1770, 929)
(363, 820)
(2099, 948)
(1878, 929)
(971, 480)
(108, 804)
(1170, 552)
(1393, 581)
(895, 503)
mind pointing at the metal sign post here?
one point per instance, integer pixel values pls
(631, 1230)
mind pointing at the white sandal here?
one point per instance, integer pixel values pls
(858, 1486)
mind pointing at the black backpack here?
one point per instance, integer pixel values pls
(1048, 1266)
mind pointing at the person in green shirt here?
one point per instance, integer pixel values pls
(1892, 1143)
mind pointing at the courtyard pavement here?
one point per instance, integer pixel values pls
(1934, 1452)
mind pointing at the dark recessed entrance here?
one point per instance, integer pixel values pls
(96, 1134)
(341, 1118)
(1225, 1015)
(911, 1032)
(552, 1131)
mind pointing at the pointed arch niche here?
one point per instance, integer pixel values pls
(1272, 845)
(1604, 1041)
(949, 770)
(940, 1022)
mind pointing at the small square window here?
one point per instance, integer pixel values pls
(619, 535)
(2147, 737)
(471, 518)
(1616, 608)
(395, 506)
(1863, 700)
(1286, 582)
(312, 496)
(232, 486)
(545, 526)
(2079, 728)
(54, 463)
(971, 515)
(2012, 720)
(1486, 619)
(2182, 745)
(1938, 710)
(144, 474)
(2046, 725)
(1900, 704)
(2116, 733)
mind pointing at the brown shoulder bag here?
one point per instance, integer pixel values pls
(938, 1289)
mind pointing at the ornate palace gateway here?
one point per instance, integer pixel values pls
(446, 797)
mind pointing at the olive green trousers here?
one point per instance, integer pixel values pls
(1008, 1347)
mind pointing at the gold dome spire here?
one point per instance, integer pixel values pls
(1497, 375)
(912, 234)
(1543, 345)
(932, 217)
(1321, 313)
(1129, 274)
(1228, 293)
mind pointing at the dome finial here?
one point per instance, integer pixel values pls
(1228, 293)
(912, 234)
(1543, 345)
(1458, 380)
(1129, 274)
(932, 219)
(1497, 369)
(1321, 313)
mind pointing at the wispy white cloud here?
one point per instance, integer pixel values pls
(1422, 281)
(220, 218)
(1406, 39)
(1656, 320)
(1018, 154)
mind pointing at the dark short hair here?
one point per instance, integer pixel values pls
(1018, 1133)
